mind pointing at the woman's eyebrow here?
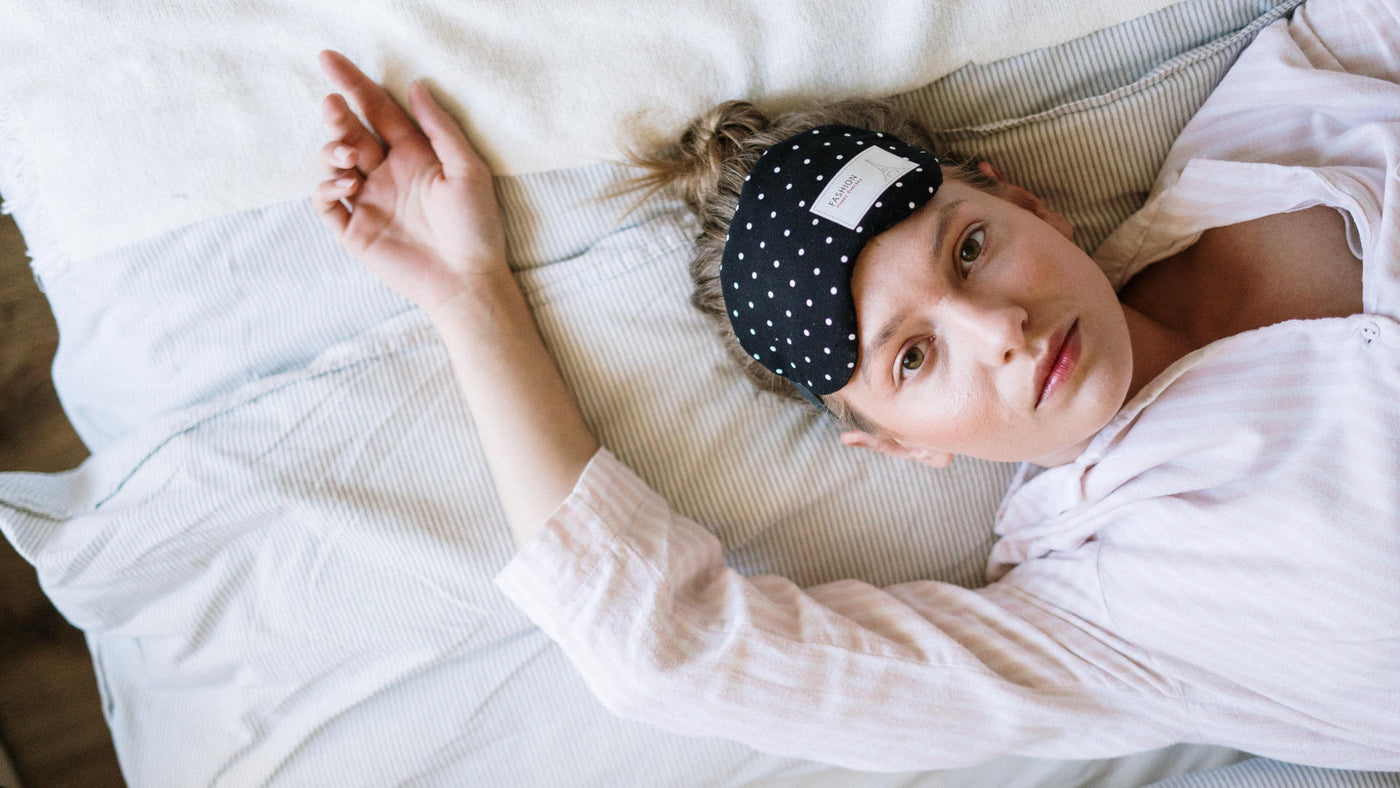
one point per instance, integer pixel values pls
(946, 215)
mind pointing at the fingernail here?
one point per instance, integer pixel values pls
(345, 183)
(342, 154)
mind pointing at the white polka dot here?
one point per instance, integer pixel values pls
(819, 177)
(748, 226)
(851, 337)
(786, 233)
(827, 350)
(815, 272)
(770, 293)
(792, 283)
(809, 303)
(828, 239)
(844, 258)
(756, 356)
(879, 204)
(850, 365)
(833, 291)
(801, 252)
(741, 255)
(912, 206)
(777, 169)
(776, 264)
(760, 195)
(773, 214)
(802, 204)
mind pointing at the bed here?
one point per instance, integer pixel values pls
(281, 550)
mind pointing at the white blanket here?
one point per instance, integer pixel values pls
(125, 119)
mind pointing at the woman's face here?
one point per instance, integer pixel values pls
(984, 331)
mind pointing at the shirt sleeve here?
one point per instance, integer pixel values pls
(914, 676)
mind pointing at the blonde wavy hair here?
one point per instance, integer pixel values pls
(706, 167)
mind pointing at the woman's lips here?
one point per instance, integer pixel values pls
(1059, 365)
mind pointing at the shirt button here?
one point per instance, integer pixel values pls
(1370, 331)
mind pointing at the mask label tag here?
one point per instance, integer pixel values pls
(851, 192)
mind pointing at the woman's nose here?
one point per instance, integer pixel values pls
(995, 332)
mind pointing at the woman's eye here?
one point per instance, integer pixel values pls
(913, 359)
(970, 250)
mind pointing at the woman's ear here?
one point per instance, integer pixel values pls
(860, 439)
(1022, 198)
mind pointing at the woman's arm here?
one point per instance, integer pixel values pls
(913, 676)
(416, 205)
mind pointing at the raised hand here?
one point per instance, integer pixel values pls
(411, 200)
(419, 210)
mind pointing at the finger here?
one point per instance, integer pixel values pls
(330, 201)
(456, 153)
(347, 129)
(386, 118)
(337, 157)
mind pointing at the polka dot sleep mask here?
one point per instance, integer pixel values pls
(806, 210)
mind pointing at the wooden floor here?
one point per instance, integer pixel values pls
(50, 718)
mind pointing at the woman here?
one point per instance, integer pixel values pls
(1205, 547)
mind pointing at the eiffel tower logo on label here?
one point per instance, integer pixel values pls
(889, 173)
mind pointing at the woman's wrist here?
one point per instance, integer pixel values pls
(475, 301)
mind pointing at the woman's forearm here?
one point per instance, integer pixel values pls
(411, 199)
(531, 429)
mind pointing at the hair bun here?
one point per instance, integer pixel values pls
(714, 143)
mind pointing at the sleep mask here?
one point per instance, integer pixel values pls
(806, 210)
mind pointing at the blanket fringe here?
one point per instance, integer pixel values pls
(19, 188)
